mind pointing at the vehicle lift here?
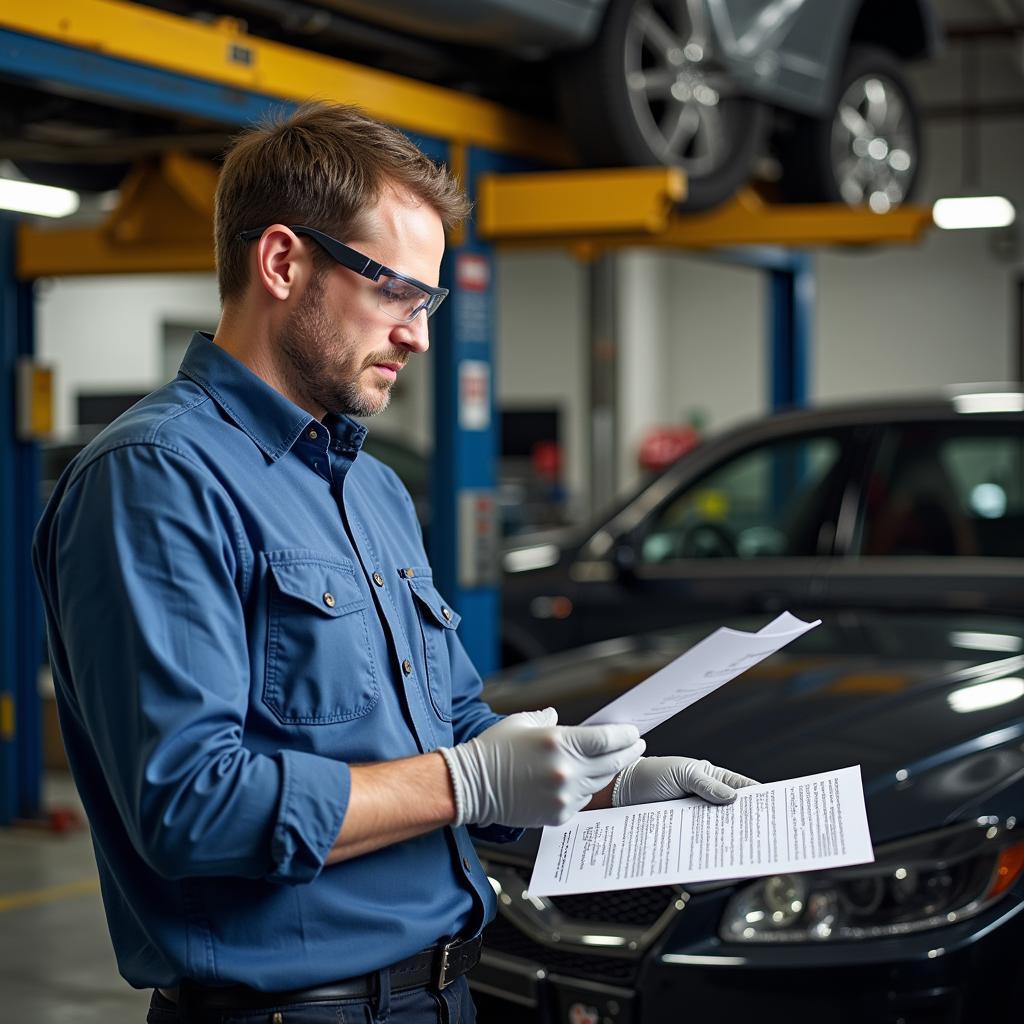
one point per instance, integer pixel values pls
(125, 55)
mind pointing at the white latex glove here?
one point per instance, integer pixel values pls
(527, 770)
(671, 778)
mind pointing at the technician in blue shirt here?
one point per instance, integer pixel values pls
(274, 727)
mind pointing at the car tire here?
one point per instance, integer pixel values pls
(612, 125)
(817, 150)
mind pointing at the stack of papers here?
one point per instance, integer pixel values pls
(818, 821)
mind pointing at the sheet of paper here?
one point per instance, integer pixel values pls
(704, 667)
(817, 821)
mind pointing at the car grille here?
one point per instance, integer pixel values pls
(502, 937)
(638, 907)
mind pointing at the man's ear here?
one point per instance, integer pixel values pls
(283, 262)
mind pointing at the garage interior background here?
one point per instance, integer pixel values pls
(691, 330)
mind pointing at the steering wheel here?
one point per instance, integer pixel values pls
(708, 540)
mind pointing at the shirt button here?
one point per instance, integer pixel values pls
(378, 579)
(465, 863)
(407, 667)
(408, 573)
(277, 1018)
(312, 435)
(329, 600)
(446, 612)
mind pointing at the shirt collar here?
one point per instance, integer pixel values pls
(272, 422)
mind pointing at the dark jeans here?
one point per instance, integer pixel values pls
(453, 1005)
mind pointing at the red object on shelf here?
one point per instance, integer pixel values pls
(661, 446)
(57, 819)
(546, 459)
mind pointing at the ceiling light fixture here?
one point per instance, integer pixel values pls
(40, 200)
(962, 212)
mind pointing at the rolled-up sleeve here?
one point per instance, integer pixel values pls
(146, 567)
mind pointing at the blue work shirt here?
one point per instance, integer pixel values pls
(239, 606)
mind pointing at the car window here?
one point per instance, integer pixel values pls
(943, 491)
(772, 501)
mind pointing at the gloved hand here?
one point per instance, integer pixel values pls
(528, 770)
(670, 778)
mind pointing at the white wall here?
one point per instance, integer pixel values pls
(692, 336)
(542, 346)
(106, 334)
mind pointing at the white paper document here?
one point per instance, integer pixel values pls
(817, 821)
(704, 667)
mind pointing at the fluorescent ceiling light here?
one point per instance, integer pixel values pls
(42, 200)
(991, 401)
(973, 212)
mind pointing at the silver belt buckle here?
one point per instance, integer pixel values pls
(442, 980)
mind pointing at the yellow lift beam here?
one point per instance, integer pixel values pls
(592, 211)
(163, 223)
(224, 53)
(576, 203)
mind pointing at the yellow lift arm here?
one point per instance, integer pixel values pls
(591, 211)
(163, 223)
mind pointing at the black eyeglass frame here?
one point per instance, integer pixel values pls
(354, 260)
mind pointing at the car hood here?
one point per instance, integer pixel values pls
(934, 719)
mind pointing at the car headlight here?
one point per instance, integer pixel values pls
(925, 882)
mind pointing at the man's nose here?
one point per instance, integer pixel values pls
(414, 334)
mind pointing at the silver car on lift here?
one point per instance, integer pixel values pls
(709, 85)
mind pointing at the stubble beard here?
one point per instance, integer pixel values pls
(321, 366)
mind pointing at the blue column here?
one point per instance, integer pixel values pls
(790, 323)
(465, 531)
(20, 615)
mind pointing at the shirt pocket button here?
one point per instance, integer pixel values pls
(329, 600)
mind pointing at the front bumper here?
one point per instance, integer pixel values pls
(947, 976)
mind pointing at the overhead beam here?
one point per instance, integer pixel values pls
(223, 53)
(746, 219)
(578, 202)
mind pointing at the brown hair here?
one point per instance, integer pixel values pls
(324, 165)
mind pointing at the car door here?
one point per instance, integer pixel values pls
(749, 533)
(941, 523)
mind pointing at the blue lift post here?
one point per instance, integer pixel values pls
(791, 323)
(20, 616)
(465, 543)
(789, 277)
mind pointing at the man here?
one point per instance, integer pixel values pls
(275, 730)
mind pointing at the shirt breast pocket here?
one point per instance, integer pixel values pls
(320, 668)
(436, 618)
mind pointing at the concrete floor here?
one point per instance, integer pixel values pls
(56, 962)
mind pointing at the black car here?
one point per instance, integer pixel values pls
(918, 503)
(931, 705)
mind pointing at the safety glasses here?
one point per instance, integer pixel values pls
(400, 297)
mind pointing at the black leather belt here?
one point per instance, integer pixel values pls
(438, 967)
